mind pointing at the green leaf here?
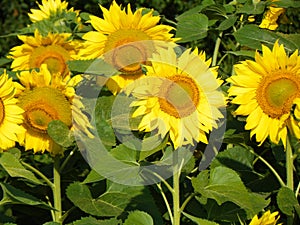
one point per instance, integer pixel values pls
(125, 154)
(252, 36)
(107, 204)
(14, 168)
(138, 218)
(103, 110)
(92, 67)
(246, 53)
(51, 223)
(250, 8)
(12, 195)
(237, 158)
(223, 185)
(287, 201)
(192, 27)
(92, 177)
(199, 221)
(60, 133)
(93, 221)
(227, 23)
(114, 201)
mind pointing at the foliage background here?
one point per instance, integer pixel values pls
(257, 178)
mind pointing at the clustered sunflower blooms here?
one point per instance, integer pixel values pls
(45, 90)
(267, 91)
(121, 35)
(267, 218)
(179, 97)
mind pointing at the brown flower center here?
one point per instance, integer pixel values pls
(179, 96)
(276, 93)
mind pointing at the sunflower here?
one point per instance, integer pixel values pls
(46, 97)
(54, 50)
(267, 92)
(122, 37)
(267, 218)
(10, 114)
(271, 16)
(179, 97)
(49, 9)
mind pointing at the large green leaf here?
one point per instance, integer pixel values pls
(114, 201)
(92, 67)
(138, 218)
(14, 168)
(287, 202)
(199, 221)
(192, 27)
(12, 195)
(60, 133)
(252, 36)
(223, 184)
(93, 221)
(92, 177)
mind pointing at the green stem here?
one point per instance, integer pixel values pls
(187, 200)
(166, 201)
(270, 167)
(216, 50)
(63, 165)
(176, 193)
(57, 190)
(37, 172)
(289, 164)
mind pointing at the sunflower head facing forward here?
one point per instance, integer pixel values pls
(45, 97)
(54, 50)
(179, 97)
(267, 91)
(122, 38)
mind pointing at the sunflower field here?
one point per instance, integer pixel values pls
(149, 112)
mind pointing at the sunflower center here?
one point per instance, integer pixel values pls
(43, 105)
(125, 50)
(179, 96)
(54, 56)
(276, 94)
(2, 111)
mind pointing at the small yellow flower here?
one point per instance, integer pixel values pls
(267, 218)
(46, 97)
(270, 18)
(267, 91)
(10, 114)
(50, 8)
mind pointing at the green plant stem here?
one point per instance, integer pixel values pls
(166, 201)
(216, 50)
(270, 167)
(57, 190)
(186, 201)
(37, 172)
(176, 193)
(289, 164)
(63, 165)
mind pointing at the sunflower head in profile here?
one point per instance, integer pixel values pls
(11, 115)
(121, 38)
(51, 9)
(179, 96)
(270, 18)
(267, 91)
(267, 218)
(45, 97)
(54, 50)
